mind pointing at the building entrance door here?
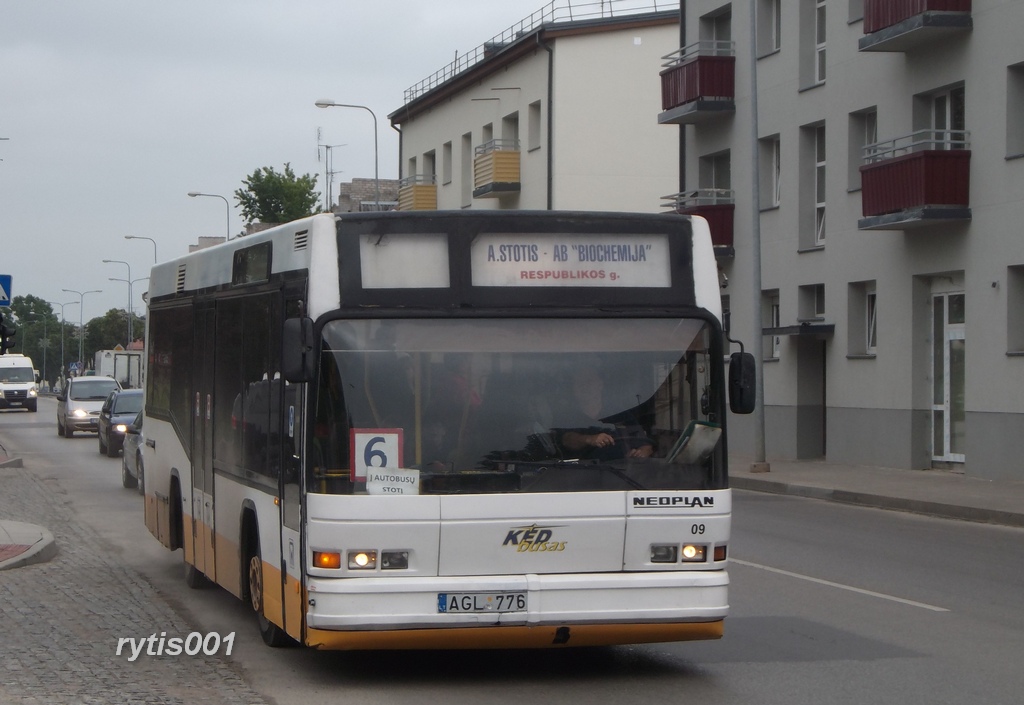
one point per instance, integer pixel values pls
(949, 355)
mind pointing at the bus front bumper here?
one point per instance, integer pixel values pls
(556, 610)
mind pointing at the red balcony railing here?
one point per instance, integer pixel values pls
(717, 206)
(925, 169)
(701, 71)
(879, 14)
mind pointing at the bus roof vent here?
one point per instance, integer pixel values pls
(301, 240)
(180, 287)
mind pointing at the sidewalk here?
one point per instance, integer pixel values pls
(933, 492)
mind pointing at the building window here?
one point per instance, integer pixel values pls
(769, 26)
(716, 172)
(769, 162)
(812, 303)
(948, 118)
(771, 318)
(1015, 309)
(1015, 111)
(430, 165)
(862, 319)
(533, 126)
(717, 26)
(812, 43)
(863, 131)
(819, 41)
(411, 168)
(856, 10)
(467, 170)
(446, 163)
(510, 129)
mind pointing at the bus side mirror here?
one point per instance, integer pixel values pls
(297, 362)
(742, 387)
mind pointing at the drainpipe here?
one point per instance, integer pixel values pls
(551, 119)
(682, 128)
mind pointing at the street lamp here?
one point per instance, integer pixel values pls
(54, 303)
(193, 194)
(142, 237)
(376, 155)
(131, 310)
(81, 318)
(128, 310)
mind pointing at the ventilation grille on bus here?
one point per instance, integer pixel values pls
(301, 240)
(180, 287)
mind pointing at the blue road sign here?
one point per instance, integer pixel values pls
(5, 289)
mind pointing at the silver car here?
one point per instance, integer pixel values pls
(79, 404)
(131, 458)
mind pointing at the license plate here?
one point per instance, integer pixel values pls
(461, 602)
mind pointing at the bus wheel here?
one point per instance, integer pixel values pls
(272, 634)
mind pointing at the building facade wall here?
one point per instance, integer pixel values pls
(602, 149)
(876, 405)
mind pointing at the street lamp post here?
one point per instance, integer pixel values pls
(131, 311)
(193, 194)
(129, 280)
(54, 303)
(376, 153)
(81, 319)
(142, 237)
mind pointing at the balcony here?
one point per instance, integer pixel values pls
(496, 169)
(698, 83)
(417, 193)
(915, 181)
(717, 206)
(902, 25)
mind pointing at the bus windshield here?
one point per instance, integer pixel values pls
(516, 405)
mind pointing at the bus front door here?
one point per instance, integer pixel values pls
(202, 446)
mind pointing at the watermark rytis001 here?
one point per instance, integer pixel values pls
(191, 645)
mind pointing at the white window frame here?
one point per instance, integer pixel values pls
(871, 321)
(819, 186)
(819, 41)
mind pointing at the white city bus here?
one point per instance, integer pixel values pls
(449, 430)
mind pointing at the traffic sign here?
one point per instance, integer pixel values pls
(5, 289)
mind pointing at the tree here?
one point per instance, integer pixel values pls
(272, 197)
(38, 333)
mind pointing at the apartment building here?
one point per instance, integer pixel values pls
(557, 112)
(883, 178)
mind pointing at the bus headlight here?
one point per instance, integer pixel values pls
(362, 560)
(694, 554)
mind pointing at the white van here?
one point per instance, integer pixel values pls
(19, 383)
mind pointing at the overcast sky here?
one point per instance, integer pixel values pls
(113, 110)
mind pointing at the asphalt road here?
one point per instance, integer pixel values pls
(830, 604)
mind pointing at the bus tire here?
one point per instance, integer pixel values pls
(271, 634)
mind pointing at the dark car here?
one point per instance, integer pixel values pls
(119, 410)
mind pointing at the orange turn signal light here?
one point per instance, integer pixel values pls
(325, 559)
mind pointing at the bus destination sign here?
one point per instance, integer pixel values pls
(571, 260)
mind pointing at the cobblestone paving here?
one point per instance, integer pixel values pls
(60, 621)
